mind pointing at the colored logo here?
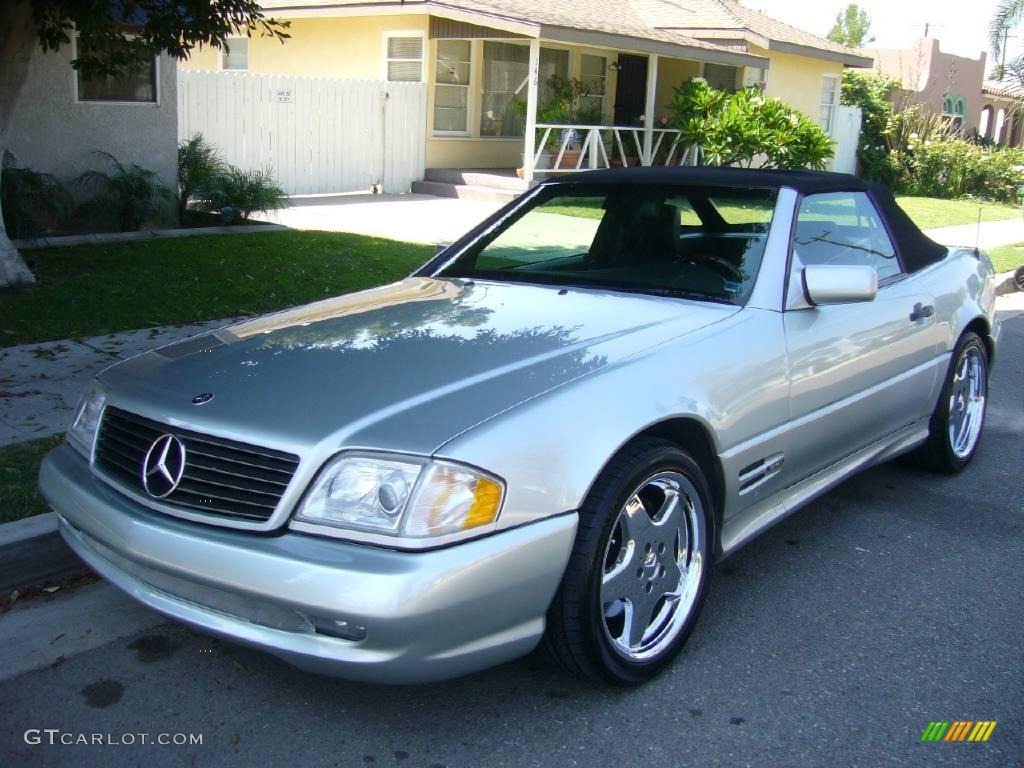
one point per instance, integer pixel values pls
(958, 730)
(163, 467)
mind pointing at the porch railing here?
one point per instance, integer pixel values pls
(607, 146)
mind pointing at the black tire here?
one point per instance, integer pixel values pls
(576, 638)
(937, 453)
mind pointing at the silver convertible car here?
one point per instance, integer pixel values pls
(547, 435)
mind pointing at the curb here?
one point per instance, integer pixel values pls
(146, 234)
(32, 551)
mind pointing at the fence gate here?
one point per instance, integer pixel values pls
(318, 135)
(847, 136)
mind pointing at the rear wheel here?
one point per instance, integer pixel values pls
(959, 417)
(637, 576)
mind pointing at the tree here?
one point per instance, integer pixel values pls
(746, 128)
(1007, 16)
(852, 27)
(116, 38)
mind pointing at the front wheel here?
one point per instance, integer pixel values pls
(955, 428)
(637, 575)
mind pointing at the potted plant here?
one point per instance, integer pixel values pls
(564, 107)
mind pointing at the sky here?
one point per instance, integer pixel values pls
(961, 27)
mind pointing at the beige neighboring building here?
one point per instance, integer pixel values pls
(485, 62)
(1002, 113)
(945, 83)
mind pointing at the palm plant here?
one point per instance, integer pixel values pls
(131, 192)
(33, 203)
(1008, 14)
(246, 192)
(200, 166)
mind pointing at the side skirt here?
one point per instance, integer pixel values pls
(766, 513)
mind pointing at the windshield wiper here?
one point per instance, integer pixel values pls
(676, 293)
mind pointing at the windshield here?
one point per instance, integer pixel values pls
(701, 243)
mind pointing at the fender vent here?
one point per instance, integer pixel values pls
(752, 475)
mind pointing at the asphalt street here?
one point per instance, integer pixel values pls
(833, 640)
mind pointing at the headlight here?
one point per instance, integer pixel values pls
(400, 496)
(86, 421)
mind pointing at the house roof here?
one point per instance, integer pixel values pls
(724, 19)
(702, 29)
(1003, 90)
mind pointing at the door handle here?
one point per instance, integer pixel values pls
(921, 311)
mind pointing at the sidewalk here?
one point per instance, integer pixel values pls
(992, 235)
(40, 383)
(410, 218)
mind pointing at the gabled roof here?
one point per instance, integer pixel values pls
(702, 29)
(723, 19)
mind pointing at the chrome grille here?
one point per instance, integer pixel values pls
(222, 477)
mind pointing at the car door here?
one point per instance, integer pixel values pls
(858, 371)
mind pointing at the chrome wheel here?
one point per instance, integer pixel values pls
(653, 565)
(967, 402)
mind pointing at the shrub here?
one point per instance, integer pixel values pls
(873, 93)
(958, 168)
(130, 193)
(33, 203)
(200, 165)
(747, 128)
(244, 193)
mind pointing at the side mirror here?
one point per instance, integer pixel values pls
(837, 284)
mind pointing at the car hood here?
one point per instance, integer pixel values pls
(403, 367)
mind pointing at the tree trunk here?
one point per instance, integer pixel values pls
(17, 36)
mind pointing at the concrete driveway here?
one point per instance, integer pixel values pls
(411, 218)
(833, 640)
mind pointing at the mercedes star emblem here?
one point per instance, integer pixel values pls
(163, 466)
(202, 399)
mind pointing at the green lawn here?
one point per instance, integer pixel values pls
(930, 212)
(1007, 258)
(19, 468)
(90, 290)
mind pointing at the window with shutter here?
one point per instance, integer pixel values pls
(405, 58)
(235, 54)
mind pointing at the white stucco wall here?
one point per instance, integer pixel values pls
(54, 133)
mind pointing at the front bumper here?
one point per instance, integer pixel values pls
(427, 615)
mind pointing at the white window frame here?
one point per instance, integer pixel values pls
(470, 101)
(834, 106)
(423, 53)
(224, 52)
(604, 96)
(102, 102)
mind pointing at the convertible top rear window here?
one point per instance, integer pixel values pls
(695, 242)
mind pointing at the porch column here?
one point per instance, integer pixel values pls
(652, 94)
(533, 84)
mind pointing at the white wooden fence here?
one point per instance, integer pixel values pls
(846, 134)
(318, 135)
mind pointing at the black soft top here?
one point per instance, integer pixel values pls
(915, 249)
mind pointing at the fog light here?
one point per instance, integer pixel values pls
(344, 630)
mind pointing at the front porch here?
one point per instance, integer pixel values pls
(492, 104)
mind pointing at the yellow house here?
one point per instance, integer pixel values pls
(487, 65)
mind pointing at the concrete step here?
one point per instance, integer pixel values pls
(464, 191)
(499, 178)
